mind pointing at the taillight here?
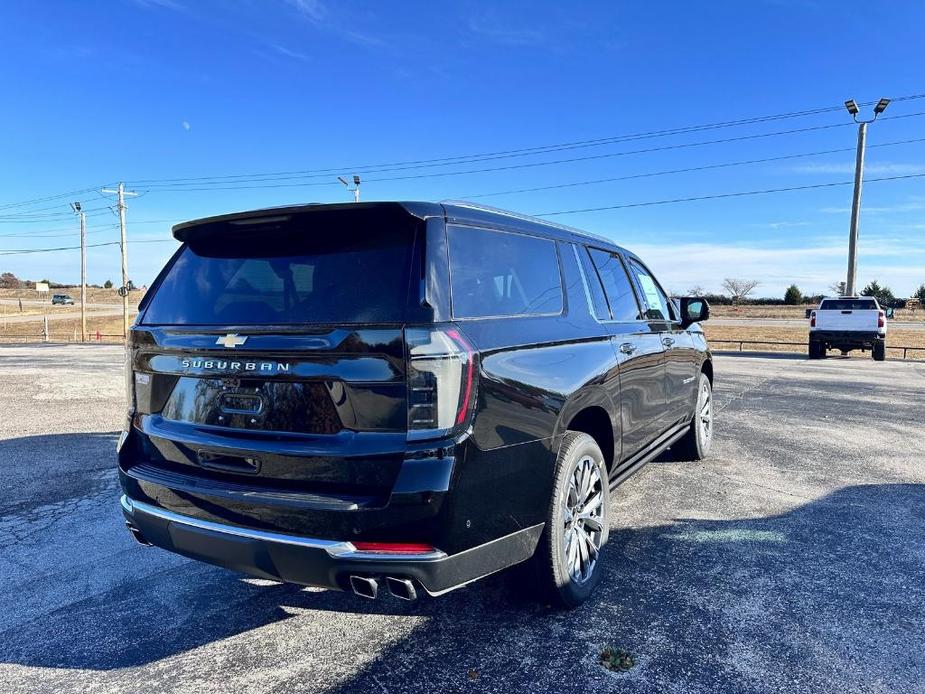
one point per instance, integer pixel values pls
(881, 319)
(129, 378)
(441, 381)
(812, 319)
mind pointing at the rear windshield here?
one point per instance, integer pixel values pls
(342, 275)
(848, 304)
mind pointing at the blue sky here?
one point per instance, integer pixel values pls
(143, 90)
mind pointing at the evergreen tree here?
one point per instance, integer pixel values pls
(793, 296)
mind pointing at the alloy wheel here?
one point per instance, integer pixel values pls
(583, 518)
(705, 412)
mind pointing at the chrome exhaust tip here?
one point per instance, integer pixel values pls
(365, 587)
(401, 588)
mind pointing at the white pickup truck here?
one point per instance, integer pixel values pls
(847, 323)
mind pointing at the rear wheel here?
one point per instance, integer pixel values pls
(816, 349)
(697, 442)
(566, 565)
(879, 350)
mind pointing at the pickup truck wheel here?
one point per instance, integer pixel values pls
(566, 565)
(879, 350)
(697, 442)
(816, 349)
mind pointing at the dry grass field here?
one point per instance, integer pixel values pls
(793, 312)
(726, 337)
(64, 330)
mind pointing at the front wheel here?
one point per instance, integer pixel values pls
(566, 565)
(697, 442)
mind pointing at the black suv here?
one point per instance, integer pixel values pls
(402, 395)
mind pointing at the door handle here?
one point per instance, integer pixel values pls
(668, 341)
(627, 348)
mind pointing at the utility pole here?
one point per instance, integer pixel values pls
(356, 186)
(851, 105)
(76, 206)
(123, 290)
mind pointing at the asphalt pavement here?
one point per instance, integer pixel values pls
(792, 560)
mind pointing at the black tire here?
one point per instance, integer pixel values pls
(879, 350)
(697, 442)
(816, 349)
(553, 579)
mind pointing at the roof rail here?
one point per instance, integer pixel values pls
(526, 218)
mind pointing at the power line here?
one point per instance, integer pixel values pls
(52, 211)
(77, 248)
(51, 233)
(460, 159)
(526, 165)
(704, 167)
(541, 149)
(46, 198)
(717, 196)
(96, 212)
(41, 235)
(650, 203)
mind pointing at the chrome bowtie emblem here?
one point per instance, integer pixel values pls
(231, 340)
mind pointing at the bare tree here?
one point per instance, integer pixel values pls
(696, 290)
(838, 288)
(739, 289)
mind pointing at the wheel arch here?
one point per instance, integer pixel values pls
(592, 411)
(707, 368)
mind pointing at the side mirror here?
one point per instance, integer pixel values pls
(889, 312)
(694, 309)
(809, 312)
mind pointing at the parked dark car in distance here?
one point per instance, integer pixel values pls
(407, 396)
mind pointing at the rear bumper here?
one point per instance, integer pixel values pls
(838, 338)
(320, 562)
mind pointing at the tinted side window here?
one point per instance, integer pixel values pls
(495, 273)
(598, 300)
(617, 285)
(655, 299)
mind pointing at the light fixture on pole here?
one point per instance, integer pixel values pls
(852, 107)
(356, 186)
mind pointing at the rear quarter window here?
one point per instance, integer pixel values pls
(494, 273)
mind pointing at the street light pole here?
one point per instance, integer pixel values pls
(856, 211)
(851, 105)
(76, 206)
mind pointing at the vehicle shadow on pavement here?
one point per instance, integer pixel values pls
(829, 595)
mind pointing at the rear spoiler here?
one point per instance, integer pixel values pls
(312, 215)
